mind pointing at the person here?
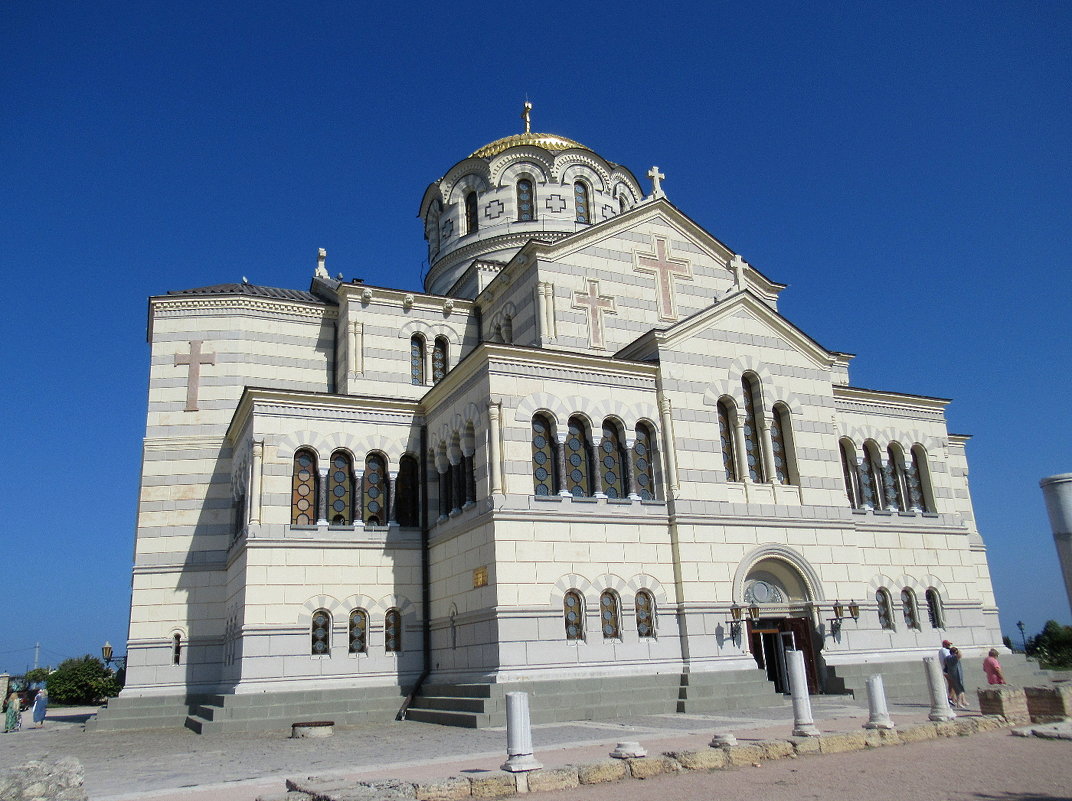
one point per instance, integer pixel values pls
(13, 716)
(955, 674)
(992, 668)
(40, 704)
(943, 657)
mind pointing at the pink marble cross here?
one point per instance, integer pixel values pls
(595, 304)
(664, 268)
(195, 358)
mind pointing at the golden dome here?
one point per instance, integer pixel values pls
(545, 140)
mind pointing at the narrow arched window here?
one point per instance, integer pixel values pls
(408, 492)
(526, 203)
(781, 443)
(908, 608)
(645, 614)
(359, 631)
(621, 204)
(753, 449)
(885, 608)
(580, 202)
(573, 615)
(507, 330)
(612, 462)
(320, 631)
(934, 609)
(341, 490)
(544, 462)
(439, 359)
(725, 435)
(392, 631)
(176, 648)
(610, 616)
(920, 481)
(303, 489)
(644, 462)
(871, 480)
(897, 486)
(374, 491)
(416, 360)
(578, 459)
(850, 474)
(471, 222)
(431, 231)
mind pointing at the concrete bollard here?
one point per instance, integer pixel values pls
(876, 704)
(722, 739)
(936, 683)
(519, 735)
(803, 723)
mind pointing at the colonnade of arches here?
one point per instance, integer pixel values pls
(455, 466)
(757, 445)
(909, 609)
(900, 482)
(340, 494)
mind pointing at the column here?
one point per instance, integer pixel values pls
(429, 349)
(889, 482)
(255, 483)
(867, 491)
(444, 489)
(669, 451)
(541, 312)
(768, 447)
(322, 500)
(457, 486)
(470, 481)
(1057, 493)
(741, 452)
(879, 717)
(391, 484)
(359, 497)
(494, 457)
(357, 343)
(560, 457)
(597, 469)
(629, 482)
(939, 692)
(803, 722)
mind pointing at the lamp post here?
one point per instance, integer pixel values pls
(735, 621)
(1023, 639)
(839, 615)
(106, 655)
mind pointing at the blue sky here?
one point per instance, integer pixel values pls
(904, 168)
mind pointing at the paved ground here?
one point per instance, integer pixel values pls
(181, 766)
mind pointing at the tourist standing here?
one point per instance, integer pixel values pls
(955, 674)
(992, 668)
(13, 716)
(40, 704)
(943, 657)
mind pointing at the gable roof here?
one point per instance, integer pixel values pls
(252, 290)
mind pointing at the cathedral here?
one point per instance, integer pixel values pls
(590, 460)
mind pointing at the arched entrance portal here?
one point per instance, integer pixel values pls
(785, 620)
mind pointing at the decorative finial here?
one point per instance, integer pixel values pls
(656, 188)
(526, 116)
(321, 258)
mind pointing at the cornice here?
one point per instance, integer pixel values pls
(845, 396)
(167, 306)
(361, 295)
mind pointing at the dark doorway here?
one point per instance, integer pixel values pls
(770, 638)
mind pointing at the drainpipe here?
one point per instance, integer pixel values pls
(426, 601)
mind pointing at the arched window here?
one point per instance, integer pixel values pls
(544, 461)
(439, 359)
(573, 614)
(753, 449)
(609, 616)
(885, 608)
(612, 461)
(303, 489)
(526, 202)
(176, 648)
(781, 443)
(580, 202)
(392, 631)
(578, 459)
(320, 630)
(725, 434)
(920, 481)
(897, 485)
(871, 482)
(359, 631)
(341, 490)
(374, 491)
(507, 330)
(850, 474)
(934, 609)
(621, 204)
(644, 462)
(471, 221)
(431, 231)
(908, 608)
(416, 360)
(408, 492)
(645, 615)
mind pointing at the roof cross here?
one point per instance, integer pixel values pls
(656, 187)
(525, 115)
(195, 358)
(594, 304)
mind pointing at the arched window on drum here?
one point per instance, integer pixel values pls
(581, 202)
(544, 457)
(472, 222)
(526, 201)
(416, 360)
(303, 496)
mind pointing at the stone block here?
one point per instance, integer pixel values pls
(776, 749)
(744, 754)
(840, 743)
(876, 738)
(919, 733)
(805, 745)
(607, 770)
(62, 780)
(564, 778)
(946, 728)
(493, 785)
(450, 789)
(1049, 704)
(646, 767)
(1002, 699)
(709, 759)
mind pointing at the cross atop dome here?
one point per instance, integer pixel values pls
(526, 116)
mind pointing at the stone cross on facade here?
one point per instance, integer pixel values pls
(656, 187)
(321, 263)
(195, 358)
(594, 304)
(664, 268)
(737, 264)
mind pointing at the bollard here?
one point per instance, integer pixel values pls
(876, 704)
(723, 738)
(803, 724)
(936, 682)
(519, 735)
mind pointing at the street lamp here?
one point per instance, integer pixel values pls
(1023, 639)
(106, 654)
(839, 615)
(735, 621)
